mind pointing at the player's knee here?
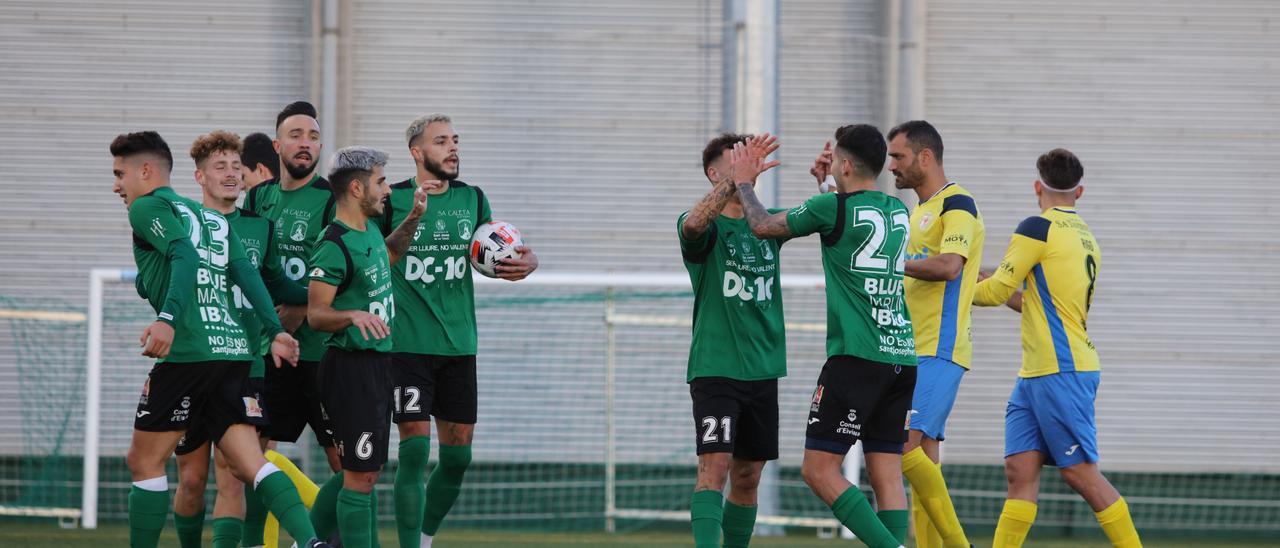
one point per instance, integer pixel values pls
(1080, 478)
(143, 465)
(814, 474)
(1018, 472)
(746, 478)
(456, 460)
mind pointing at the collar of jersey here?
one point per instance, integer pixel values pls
(935, 194)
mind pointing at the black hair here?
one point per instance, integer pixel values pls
(718, 146)
(1060, 168)
(340, 180)
(920, 135)
(126, 145)
(259, 150)
(297, 107)
(866, 145)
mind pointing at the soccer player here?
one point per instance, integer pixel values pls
(350, 297)
(219, 174)
(946, 231)
(300, 204)
(738, 351)
(187, 258)
(1050, 417)
(433, 361)
(260, 160)
(864, 390)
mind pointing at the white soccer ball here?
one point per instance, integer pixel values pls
(492, 242)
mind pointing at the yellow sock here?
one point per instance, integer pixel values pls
(926, 535)
(926, 479)
(1118, 525)
(1015, 523)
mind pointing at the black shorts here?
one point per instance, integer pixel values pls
(211, 395)
(440, 386)
(857, 399)
(739, 417)
(355, 390)
(197, 435)
(295, 403)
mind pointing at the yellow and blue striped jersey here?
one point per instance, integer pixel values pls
(1055, 255)
(947, 222)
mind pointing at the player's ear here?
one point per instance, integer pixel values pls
(275, 144)
(1039, 186)
(1079, 191)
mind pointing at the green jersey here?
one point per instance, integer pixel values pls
(738, 329)
(205, 329)
(864, 237)
(433, 282)
(356, 262)
(256, 234)
(300, 216)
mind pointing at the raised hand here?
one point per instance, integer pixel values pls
(822, 164)
(419, 203)
(746, 161)
(284, 348)
(762, 145)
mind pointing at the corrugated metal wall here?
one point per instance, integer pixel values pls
(76, 74)
(1173, 112)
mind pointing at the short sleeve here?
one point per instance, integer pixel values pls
(959, 223)
(695, 250)
(485, 214)
(153, 220)
(328, 264)
(817, 214)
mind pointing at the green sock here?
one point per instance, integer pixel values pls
(739, 522)
(444, 484)
(281, 498)
(227, 532)
(255, 519)
(410, 491)
(148, 510)
(897, 522)
(353, 518)
(853, 510)
(190, 528)
(324, 511)
(373, 518)
(706, 509)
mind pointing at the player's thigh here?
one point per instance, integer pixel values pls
(937, 383)
(454, 395)
(1065, 413)
(884, 430)
(413, 382)
(148, 452)
(717, 407)
(285, 390)
(356, 390)
(713, 471)
(822, 472)
(757, 428)
(1021, 427)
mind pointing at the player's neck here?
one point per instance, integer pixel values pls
(1050, 200)
(932, 184)
(287, 182)
(425, 176)
(732, 209)
(221, 205)
(148, 189)
(352, 215)
(856, 185)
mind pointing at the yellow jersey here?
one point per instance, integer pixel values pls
(1055, 257)
(948, 222)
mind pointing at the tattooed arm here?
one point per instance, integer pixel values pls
(398, 241)
(745, 164)
(700, 217)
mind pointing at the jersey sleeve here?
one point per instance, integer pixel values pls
(817, 214)
(959, 223)
(155, 222)
(328, 264)
(695, 250)
(485, 214)
(1025, 251)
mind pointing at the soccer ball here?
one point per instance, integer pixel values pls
(494, 241)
